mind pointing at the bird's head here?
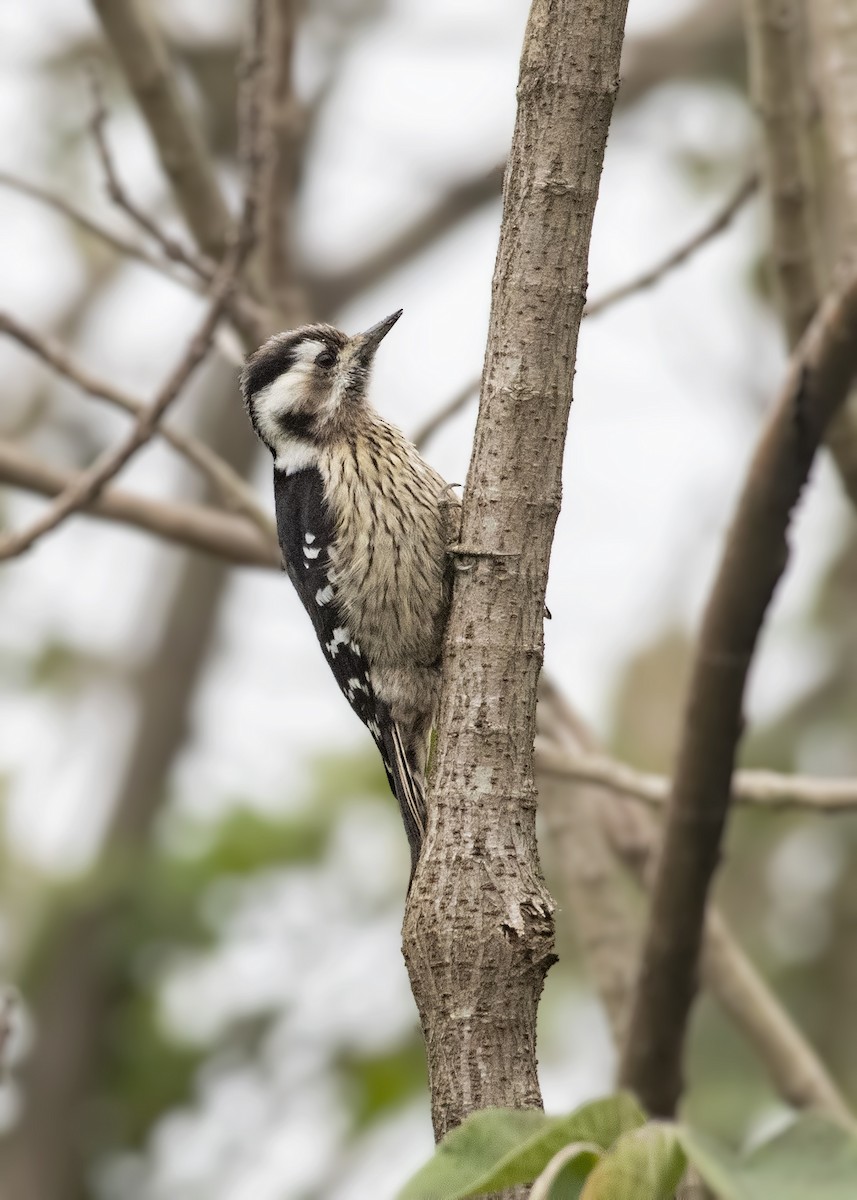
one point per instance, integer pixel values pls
(300, 387)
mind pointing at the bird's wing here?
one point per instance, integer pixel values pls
(306, 532)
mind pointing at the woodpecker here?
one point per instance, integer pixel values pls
(362, 522)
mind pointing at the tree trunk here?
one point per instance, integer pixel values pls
(478, 933)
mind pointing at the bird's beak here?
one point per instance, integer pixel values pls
(370, 340)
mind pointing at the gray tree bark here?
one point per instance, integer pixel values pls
(478, 932)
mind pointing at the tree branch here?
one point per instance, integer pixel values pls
(235, 491)
(754, 559)
(778, 76)
(193, 525)
(121, 245)
(648, 278)
(634, 837)
(721, 220)
(281, 119)
(131, 30)
(833, 27)
(761, 789)
(478, 932)
(89, 483)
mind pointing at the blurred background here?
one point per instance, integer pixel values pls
(203, 873)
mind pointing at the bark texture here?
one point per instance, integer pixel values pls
(478, 934)
(754, 559)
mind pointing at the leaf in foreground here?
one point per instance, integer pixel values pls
(646, 1164)
(499, 1148)
(566, 1173)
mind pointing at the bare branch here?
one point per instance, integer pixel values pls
(118, 243)
(651, 276)
(754, 559)
(760, 789)
(281, 121)
(90, 482)
(796, 1071)
(130, 28)
(717, 224)
(633, 834)
(234, 490)
(778, 74)
(194, 525)
(204, 268)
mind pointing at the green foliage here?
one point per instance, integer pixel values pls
(499, 1148)
(645, 1164)
(566, 1173)
(605, 1151)
(813, 1159)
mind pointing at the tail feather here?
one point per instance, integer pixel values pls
(409, 789)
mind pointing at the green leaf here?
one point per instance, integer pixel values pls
(564, 1176)
(814, 1159)
(498, 1148)
(644, 1165)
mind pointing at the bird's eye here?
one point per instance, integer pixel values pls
(326, 359)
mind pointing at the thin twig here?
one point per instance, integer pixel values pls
(196, 526)
(653, 275)
(755, 556)
(634, 837)
(116, 241)
(234, 490)
(142, 54)
(717, 224)
(90, 482)
(203, 267)
(759, 789)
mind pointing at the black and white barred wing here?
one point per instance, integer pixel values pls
(306, 532)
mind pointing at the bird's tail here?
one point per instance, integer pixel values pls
(408, 784)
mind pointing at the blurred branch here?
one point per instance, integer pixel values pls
(118, 243)
(626, 833)
(834, 35)
(331, 292)
(648, 278)
(194, 525)
(281, 121)
(705, 42)
(780, 86)
(755, 556)
(235, 491)
(717, 224)
(204, 268)
(764, 789)
(796, 1071)
(833, 25)
(588, 874)
(87, 485)
(130, 28)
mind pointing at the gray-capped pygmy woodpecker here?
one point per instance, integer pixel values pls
(363, 532)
